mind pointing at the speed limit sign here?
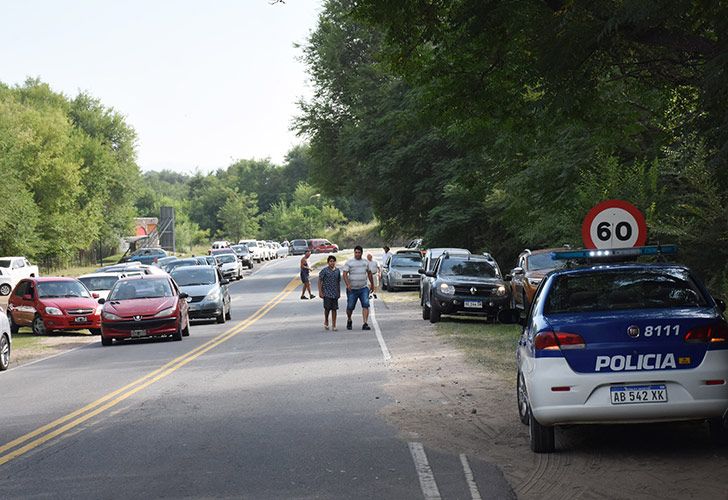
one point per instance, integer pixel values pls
(614, 224)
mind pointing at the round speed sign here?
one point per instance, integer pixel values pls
(614, 224)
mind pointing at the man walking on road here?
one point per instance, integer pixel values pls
(305, 271)
(356, 273)
(329, 289)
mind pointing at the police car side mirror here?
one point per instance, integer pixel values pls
(430, 274)
(421, 271)
(721, 304)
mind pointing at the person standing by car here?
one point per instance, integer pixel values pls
(329, 289)
(356, 273)
(385, 257)
(305, 271)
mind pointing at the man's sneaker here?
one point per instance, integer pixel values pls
(348, 325)
(365, 327)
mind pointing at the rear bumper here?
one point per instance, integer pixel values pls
(588, 400)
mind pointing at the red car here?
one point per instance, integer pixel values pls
(48, 304)
(322, 246)
(144, 306)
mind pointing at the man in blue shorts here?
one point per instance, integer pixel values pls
(357, 272)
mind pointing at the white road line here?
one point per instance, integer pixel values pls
(50, 357)
(474, 492)
(378, 332)
(427, 478)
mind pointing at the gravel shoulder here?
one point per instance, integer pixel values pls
(454, 404)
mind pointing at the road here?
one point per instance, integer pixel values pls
(268, 405)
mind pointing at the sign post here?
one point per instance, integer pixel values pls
(614, 224)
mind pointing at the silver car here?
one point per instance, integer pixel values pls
(207, 289)
(400, 271)
(6, 340)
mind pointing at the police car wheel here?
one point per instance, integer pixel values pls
(522, 398)
(718, 430)
(541, 437)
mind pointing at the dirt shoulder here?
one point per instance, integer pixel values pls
(454, 404)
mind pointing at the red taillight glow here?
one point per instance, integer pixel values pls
(562, 388)
(553, 341)
(717, 332)
(715, 382)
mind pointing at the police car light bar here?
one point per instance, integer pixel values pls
(615, 252)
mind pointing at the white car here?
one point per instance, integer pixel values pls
(255, 250)
(265, 249)
(14, 269)
(230, 266)
(621, 343)
(6, 341)
(281, 251)
(101, 283)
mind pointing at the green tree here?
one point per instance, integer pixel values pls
(238, 216)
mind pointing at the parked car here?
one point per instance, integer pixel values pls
(145, 256)
(530, 269)
(621, 343)
(161, 262)
(469, 284)
(299, 247)
(281, 250)
(189, 261)
(6, 341)
(101, 283)
(246, 259)
(254, 248)
(287, 245)
(230, 266)
(207, 289)
(14, 269)
(266, 250)
(144, 306)
(430, 257)
(320, 245)
(401, 271)
(49, 304)
(130, 267)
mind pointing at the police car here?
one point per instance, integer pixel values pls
(611, 342)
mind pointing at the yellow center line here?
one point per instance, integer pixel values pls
(119, 395)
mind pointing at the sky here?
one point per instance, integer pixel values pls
(203, 83)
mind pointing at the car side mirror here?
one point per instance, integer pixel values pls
(102, 301)
(430, 274)
(721, 304)
(421, 271)
(509, 317)
(184, 295)
(95, 295)
(224, 282)
(27, 296)
(517, 270)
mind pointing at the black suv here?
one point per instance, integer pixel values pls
(469, 284)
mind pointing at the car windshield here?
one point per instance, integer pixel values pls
(540, 261)
(241, 249)
(180, 262)
(226, 258)
(57, 289)
(4, 262)
(299, 243)
(140, 289)
(197, 276)
(412, 261)
(618, 290)
(95, 283)
(476, 268)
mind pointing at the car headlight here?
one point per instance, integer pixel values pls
(53, 311)
(111, 316)
(396, 275)
(500, 291)
(447, 289)
(534, 281)
(165, 312)
(213, 296)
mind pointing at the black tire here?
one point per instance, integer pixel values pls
(435, 312)
(228, 314)
(718, 430)
(13, 327)
(220, 318)
(5, 289)
(38, 326)
(540, 437)
(4, 352)
(95, 331)
(425, 312)
(106, 341)
(177, 335)
(522, 399)
(390, 288)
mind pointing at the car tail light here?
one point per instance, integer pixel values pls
(554, 341)
(717, 332)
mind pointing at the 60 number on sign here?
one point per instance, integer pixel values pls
(614, 224)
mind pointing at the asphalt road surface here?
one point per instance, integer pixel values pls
(268, 405)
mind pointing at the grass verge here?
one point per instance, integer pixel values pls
(491, 346)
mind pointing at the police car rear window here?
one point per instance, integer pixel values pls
(619, 290)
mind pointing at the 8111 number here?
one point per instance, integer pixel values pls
(661, 330)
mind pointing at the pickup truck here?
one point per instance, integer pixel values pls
(14, 269)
